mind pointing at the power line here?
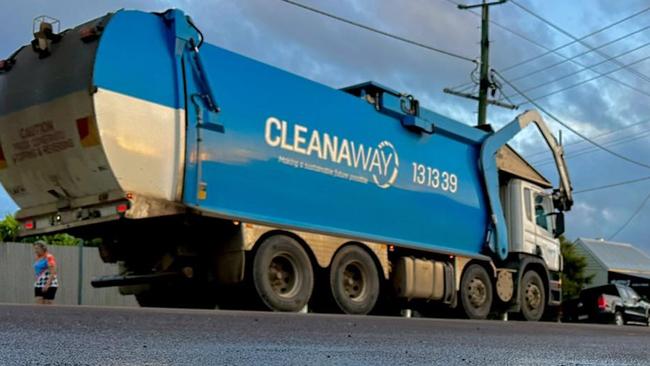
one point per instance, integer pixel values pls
(579, 40)
(591, 149)
(591, 79)
(613, 142)
(589, 67)
(568, 75)
(599, 136)
(555, 50)
(636, 212)
(378, 31)
(612, 185)
(568, 127)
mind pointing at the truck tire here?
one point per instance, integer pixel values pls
(476, 292)
(533, 296)
(354, 280)
(282, 274)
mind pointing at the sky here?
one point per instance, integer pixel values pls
(338, 55)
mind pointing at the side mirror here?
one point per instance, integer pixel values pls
(559, 224)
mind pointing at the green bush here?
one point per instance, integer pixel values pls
(9, 228)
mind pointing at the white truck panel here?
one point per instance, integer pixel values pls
(46, 161)
(144, 144)
(83, 149)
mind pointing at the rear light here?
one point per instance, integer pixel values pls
(29, 225)
(602, 303)
(122, 208)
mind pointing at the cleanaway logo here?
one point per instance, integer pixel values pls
(381, 162)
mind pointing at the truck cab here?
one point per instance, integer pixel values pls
(533, 226)
(533, 222)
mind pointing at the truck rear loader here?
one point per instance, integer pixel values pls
(214, 178)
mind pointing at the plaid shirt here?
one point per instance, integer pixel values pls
(42, 270)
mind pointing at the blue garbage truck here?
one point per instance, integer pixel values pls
(215, 179)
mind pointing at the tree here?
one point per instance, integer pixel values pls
(9, 228)
(573, 275)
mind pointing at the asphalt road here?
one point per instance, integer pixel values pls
(58, 335)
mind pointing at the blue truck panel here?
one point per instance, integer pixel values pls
(297, 153)
(278, 179)
(135, 57)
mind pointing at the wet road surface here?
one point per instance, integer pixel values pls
(59, 335)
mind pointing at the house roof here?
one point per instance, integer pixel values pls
(508, 160)
(617, 257)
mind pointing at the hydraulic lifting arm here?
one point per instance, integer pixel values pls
(497, 238)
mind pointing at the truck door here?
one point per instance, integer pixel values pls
(544, 230)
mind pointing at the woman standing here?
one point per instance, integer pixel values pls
(45, 268)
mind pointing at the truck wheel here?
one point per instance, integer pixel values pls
(282, 274)
(618, 318)
(354, 280)
(533, 296)
(476, 292)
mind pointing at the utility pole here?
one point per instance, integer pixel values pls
(484, 83)
(485, 63)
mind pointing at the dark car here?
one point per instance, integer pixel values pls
(616, 304)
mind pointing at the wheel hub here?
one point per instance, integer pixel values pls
(283, 276)
(477, 292)
(354, 282)
(533, 296)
